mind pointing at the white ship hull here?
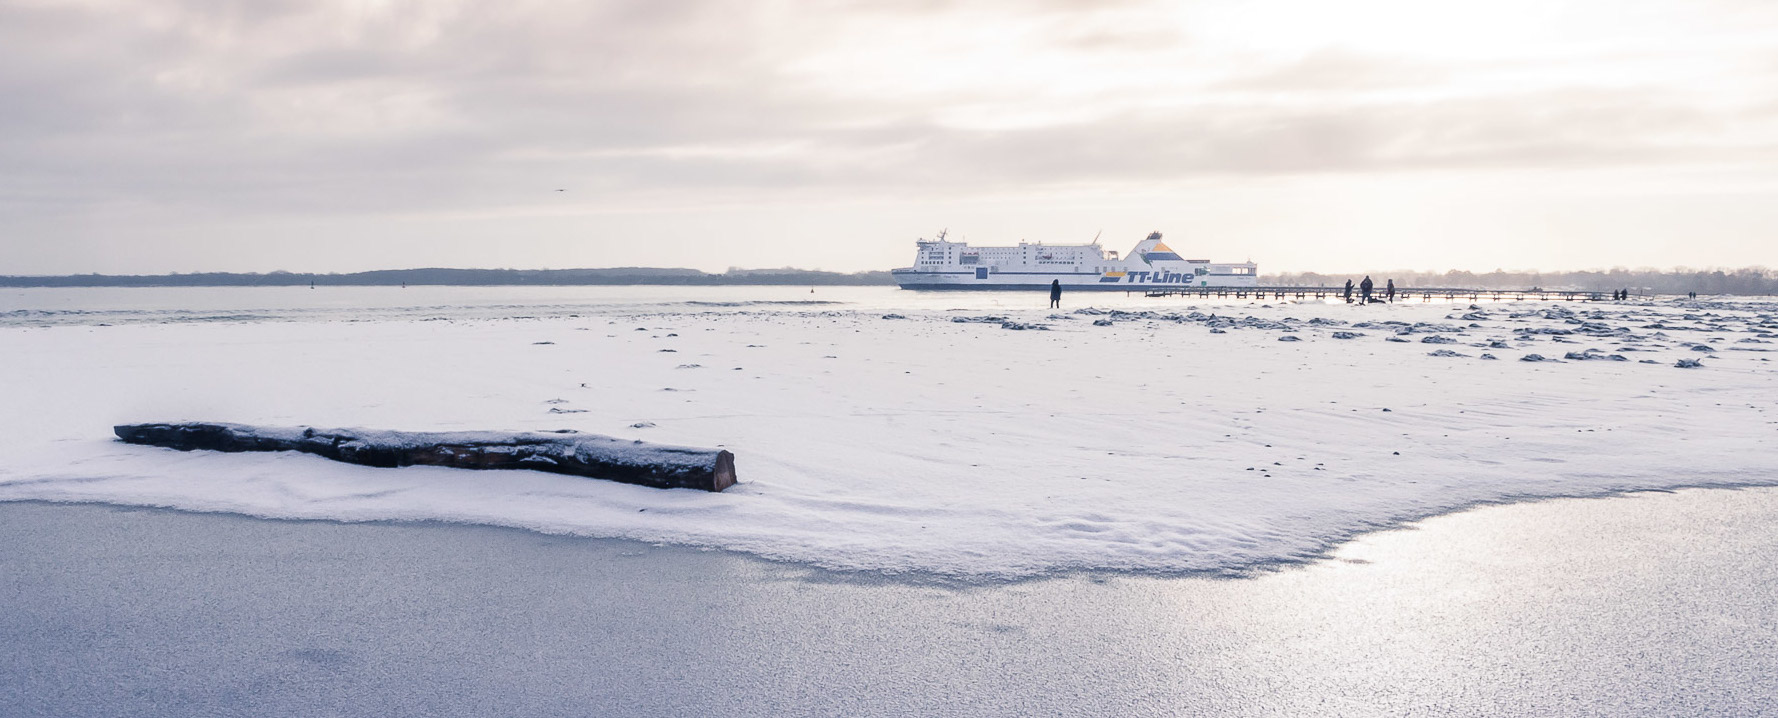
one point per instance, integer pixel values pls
(1093, 282)
(1151, 266)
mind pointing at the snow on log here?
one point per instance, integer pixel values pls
(562, 452)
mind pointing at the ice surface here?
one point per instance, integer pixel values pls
(1173, 438)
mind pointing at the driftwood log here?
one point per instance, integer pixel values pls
(563, 452)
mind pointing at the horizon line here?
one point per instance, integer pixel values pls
(1677, 269)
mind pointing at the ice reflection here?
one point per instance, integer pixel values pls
(1645, 605)
(1649, 604)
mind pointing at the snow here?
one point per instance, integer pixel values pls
(881, 430)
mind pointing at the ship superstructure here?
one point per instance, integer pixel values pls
(943, 264)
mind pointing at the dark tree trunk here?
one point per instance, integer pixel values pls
(566, 452)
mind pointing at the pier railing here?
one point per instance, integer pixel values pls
(1402, 294)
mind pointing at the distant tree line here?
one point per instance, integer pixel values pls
(1745, 281)
(463, 277)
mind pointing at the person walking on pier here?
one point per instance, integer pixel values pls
(1391, 290)
(1364, 288)
(1055, 293)
(1348, 293)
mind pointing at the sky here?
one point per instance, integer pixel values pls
(151, 136)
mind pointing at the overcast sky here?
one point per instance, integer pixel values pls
(148, 136)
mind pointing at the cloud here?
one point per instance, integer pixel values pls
(1336, 71)
(265, 108)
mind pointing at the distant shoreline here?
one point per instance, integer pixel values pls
(619, 276)
(1748, 281)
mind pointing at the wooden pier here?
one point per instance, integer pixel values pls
(1402, 294)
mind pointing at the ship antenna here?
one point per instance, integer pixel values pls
(1096, 236)
(941, 233)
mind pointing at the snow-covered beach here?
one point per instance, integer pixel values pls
(876, 430)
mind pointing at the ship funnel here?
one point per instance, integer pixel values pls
(1154, 235)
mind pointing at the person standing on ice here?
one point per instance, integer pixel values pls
(1391, 290)
(1055, 293)
(1364, 288)
(1348, 293)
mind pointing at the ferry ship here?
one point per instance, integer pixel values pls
(1152, 265)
